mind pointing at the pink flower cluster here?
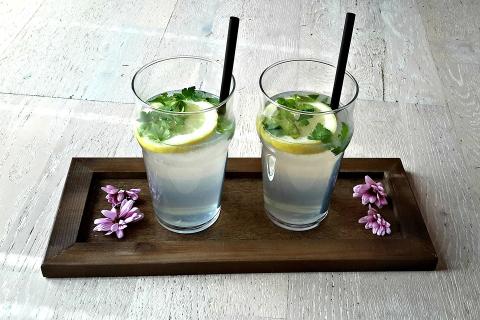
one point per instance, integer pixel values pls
(115, 195)
(373, 220)
(122, 213)
(373, 193)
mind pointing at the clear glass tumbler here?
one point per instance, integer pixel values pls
(184, 132)
(303, 139)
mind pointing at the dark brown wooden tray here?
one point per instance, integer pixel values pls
(243, 239)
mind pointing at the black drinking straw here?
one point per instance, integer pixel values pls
(228, 61)
(342, 60)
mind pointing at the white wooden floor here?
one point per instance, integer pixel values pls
(65, 68)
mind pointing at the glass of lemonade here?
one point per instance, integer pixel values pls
(184, 131)
(303, 139)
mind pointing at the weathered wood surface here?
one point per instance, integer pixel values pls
(417, 64)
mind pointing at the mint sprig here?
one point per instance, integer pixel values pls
(159, 126)
(336, 143)
(284, 122)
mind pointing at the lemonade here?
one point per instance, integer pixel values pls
(303, 144)
(185, 138)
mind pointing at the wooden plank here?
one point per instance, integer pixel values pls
(450, 19)
(320, 35)
(103, 66)
(456, 43)
(14, 17)
(462, 87)
(409, 72)
(84, 50)
(389, 54)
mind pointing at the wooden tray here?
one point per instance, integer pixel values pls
(243, 239)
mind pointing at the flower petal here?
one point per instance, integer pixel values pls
(101, 227)
(356, 189)
(132, 195)
(363, 219)
(110, 189)
(138, 217)
(119, 233)
(365, 199)
(125, 208)
(110, 214)
(120, 196)
(114, 227)
(383, 201)
(102, 221)
(369, 180)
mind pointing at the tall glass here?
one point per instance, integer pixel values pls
(303, 139)
(184, 133)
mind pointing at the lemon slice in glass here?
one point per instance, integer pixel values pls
(197, 128)
(300, 145)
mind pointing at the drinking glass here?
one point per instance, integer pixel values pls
(185, 172)
(303, 140)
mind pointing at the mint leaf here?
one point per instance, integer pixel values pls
(308, 98)
(343, 140)
(224, 125)
(271, 123)
(324, 99)
(214, 101)
(144, 116)
(289, 103)
(188, 93)
(297, 102)
(305, 107)
(303, 120)
(282, 122)
(343, 132)
(155, 130)
(321, 133)
(286, 121)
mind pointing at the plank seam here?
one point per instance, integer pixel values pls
(64, 98)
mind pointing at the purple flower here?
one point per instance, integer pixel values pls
(370, 219)
(373, 220)
(371, 192)
(116, 220)
(382, 227)
(115, 195)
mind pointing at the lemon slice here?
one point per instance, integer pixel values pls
(197, 128)
(300, 145)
